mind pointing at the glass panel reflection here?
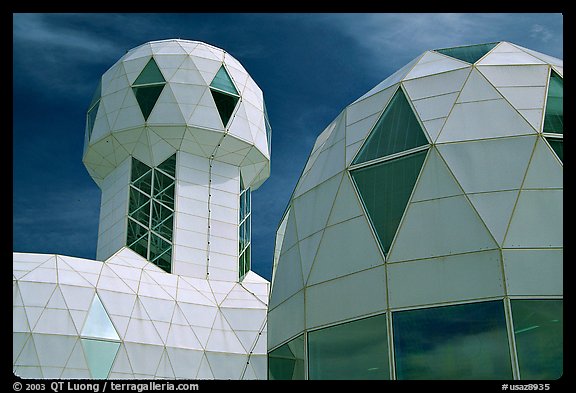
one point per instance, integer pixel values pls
(287, 362)
(353, 350)
(467, 341)
(538, 330)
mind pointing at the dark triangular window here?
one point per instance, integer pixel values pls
(397, 130)
(225, 94)
(470, 53)
(384, 189)
(148, 86)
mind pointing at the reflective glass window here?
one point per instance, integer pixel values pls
(244, 231)
(385, 189)
(93, 109)
(554, 117)
(467, 341)
(225, 103)
(99, 356)
(538, 331)
(558, 147)
(287, 362)
(397, 130)
(151, 211)
(149, 74)
(147, 97)
(223, 81)
(470, 53)
(98, 323)
(353, 350)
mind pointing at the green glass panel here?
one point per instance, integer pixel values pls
(353, 350)
(385, 189)
(222, 81)
(538, 330)
(164, 228)
(167, 196)
(147, 97)
(91, 118)
(554, 117)
(287, 361)
(558, 147)
(162, 219)
(242, 236)
(161, 182)
(247, 261)
(98, 323)
(138, 170)
(164, 261)
(470, 53)
(467, 341)
(150, 74)
(247, 206)
(169, 166)
(225, 103)
(137, 238)
(158, 247)
(100, 355)
(139, 207)
(397, 130)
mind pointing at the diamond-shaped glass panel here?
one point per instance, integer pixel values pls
(150, 74)
(385, 189)
(397, 130)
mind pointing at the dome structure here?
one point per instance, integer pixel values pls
(424, 237)
(177, 137)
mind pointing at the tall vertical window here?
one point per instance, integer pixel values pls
(244, 231)
(151, 211)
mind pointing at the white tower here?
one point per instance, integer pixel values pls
(177, 136)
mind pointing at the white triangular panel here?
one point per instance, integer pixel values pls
(312, 208)
(544, 170)
(434, 63)
(495, 209)
(477, 88)
(368, 106)
(289, 268)
(435, 85)
(489, 165)
(537, 220)
(180, 336)
(204, 371)
(483, 119)
(346, 204)
(545, 58)
(439, 227)
(133, 67)
(337, 258)
(144, 359)
(121, 363)
(308, 250)
(165, 368)
(36, 293)
(28, 355)
(435, 181)
(499, 58)
(53, 350)
(185, 363)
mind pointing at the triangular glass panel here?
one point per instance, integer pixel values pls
(223, 82)
(469, 53)
(98, 323)
(150, 74)
(147, 97)
(554, 118)
(225, 103)
(558, 146)
(100, 355)
(397, 130)
(385, 189)
(169, 166)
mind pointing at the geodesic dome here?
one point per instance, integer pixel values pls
(126, 318)
(424, 237)
(170, 95)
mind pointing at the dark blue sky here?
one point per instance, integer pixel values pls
(310, 67)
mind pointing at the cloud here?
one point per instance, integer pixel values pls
(541, 33)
